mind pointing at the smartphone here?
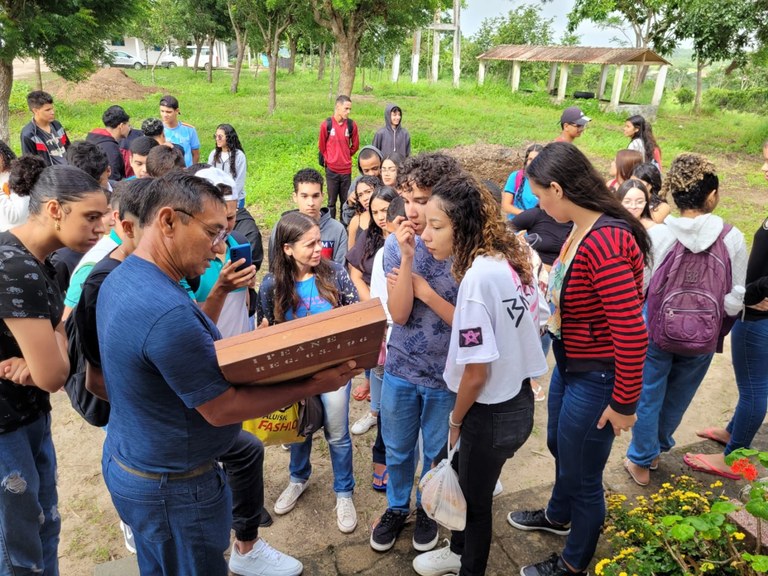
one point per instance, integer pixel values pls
(239, 251)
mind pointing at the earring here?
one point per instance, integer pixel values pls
(58, 226)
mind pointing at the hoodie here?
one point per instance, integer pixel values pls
(104, 140)
(392, 138)
(332, 234)
(698, 234)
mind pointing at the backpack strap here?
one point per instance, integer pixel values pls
(328, 126)
(519, 181)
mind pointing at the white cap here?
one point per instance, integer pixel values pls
(217, 176)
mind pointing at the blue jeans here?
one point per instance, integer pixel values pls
(336, 428)
(376, 382)
(749, 350)
(180, 526)
(576, 403)
(27, 493)
(670, 382)
(405, 409)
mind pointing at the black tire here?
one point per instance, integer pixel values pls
(171, 65)
(584, 95)
(138, 65)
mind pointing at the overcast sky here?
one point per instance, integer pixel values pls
(478, 10)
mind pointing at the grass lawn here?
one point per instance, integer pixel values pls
(436, 116)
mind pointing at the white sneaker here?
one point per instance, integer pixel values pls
(287, 500)
(346, 515)
(364, 424)
(437, 562)
(130, 543)
(498, 489)
(263, 560)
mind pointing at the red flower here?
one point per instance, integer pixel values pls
(744, 467)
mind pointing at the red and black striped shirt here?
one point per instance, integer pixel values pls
(601, 310)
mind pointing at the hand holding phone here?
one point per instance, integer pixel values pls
(238, 252)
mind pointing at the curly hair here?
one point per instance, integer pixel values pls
(374, 238)
(233, 145)
(6, 157)
(425, 170)
(289, 230)
(478, 230)
(690, 179)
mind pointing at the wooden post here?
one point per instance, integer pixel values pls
(563, 83)
(661, 79)
(456, 43)
(396, 66)
(481, 73)
(618, 80)
(515, 75)
(435, 55)
(415, 56)
(552, 76)
(603, 81)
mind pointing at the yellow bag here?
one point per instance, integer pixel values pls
(279, 427)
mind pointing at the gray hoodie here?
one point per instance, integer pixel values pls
(332, 234)
(393, 138)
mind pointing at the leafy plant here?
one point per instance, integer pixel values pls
(684, 96)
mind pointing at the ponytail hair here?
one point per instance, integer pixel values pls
(66, 184)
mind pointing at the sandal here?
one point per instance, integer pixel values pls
(382, 479)
(696, 462)
(362, 392)
(709, 434)
(628, 467)
(538, 392)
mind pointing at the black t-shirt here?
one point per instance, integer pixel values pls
(85, 311)
(757, 274)
(551, 234)
(64, 261)
(357, 258)
(28, 289)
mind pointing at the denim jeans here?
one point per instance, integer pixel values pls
(27, 494)
(336, 428)
(338, 187)
(376, 381)
(749, 350)
(577, 400)
(490, 435)
(244, 465)
(405, 409)
(670, 382)
(180, 526)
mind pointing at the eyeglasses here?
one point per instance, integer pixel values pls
(633, 203)
(216, 235)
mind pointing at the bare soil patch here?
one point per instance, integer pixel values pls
(107, 84)
(488, 161)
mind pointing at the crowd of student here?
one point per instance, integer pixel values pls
(589, 268)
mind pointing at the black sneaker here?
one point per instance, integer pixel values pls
(425, 532)
(536, 520)
(552, 566)
(387, 530)
(265, 520)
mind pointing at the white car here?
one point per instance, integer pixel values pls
(125, 60)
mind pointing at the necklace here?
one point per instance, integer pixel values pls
(307, 303)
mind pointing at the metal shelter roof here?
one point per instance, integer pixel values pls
(573, 55)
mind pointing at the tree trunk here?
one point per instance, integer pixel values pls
(242, 44)
(198, 47)
(321, 62)
(273, 57)
(38, 74)
(293, 43)
(348, 53)
(6, 83)
(699, 73)
(211, 41)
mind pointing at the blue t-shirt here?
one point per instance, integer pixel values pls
(159, 362)
(185, 136)
(416, 352)
(210, 276)
(310, 301)
(526, 199)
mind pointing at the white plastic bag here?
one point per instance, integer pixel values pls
(441, 495)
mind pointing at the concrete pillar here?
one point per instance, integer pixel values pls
(552, 76)
(618, 80)
(481, 73)
(661, 79)
(515, 75)
(456, 43)
(435, 55)
(563, 85)
(396, 66)
(415, 53)
(603, 81)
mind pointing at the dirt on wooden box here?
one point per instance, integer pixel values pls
(106, 85)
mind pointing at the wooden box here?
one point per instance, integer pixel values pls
(299, 348)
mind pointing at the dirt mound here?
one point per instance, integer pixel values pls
(488, 161)
(106, 85)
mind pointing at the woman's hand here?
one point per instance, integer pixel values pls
(453, 436)
(620, 422)
(761, 306)
(15, 369)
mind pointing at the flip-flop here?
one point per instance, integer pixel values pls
(538, 392)
(383, 477)
(696, 463)
(627, 462)
(361, 392)
(709, 434)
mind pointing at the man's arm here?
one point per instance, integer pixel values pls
(355, 146)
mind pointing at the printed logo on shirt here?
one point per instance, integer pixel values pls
(516, 308)
(470, 337)
(327, 250)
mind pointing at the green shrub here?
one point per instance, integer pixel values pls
(684, 96)
(750, 100)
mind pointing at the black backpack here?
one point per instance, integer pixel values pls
(328, 126)
(93, 409)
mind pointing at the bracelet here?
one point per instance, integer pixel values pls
(451, 423)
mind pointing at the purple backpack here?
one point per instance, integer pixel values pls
(686, 299)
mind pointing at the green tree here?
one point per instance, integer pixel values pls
(69, 35)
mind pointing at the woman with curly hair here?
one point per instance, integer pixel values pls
(302, 283)
(640, 135)
(493, 353)
(230, 157)
(599, 341)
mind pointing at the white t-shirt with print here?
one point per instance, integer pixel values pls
(495, 322)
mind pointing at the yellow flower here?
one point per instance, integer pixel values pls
(622, 574)
(738, 535)
(707, 566)
(601, 565)
(716, 484)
